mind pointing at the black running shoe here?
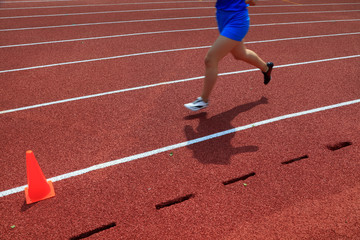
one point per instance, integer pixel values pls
(267, 75)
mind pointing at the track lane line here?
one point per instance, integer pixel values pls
(38, 1)
(104, 23)
(164, 83)
(143, 3)
(125, 21)
(155, 52)
(106, 12)
(112, 36)
(100, 59)
(167, 31)
(180, 145)
(288, 1)
(161, 9)
(104, 5)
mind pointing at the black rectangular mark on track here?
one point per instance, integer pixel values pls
(242, 178)
(338, 146)
(295, 159)
(94, 231)
(174, 201)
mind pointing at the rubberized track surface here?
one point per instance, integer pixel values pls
(170, 176)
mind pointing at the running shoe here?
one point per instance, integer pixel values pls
(267, 75)
(196, 105)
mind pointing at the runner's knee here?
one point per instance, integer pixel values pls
(239, 55)
(210, 61)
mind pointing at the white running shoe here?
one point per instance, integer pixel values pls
(196, 105)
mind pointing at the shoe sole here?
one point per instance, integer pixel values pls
(194, 109)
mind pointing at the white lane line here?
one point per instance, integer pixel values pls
(163, 83)
(305, 37)
(107, 12)
(315, 12)
(306, 22)
(114, 4)
(100, 59)
(121, 22)
(168, 31)
(117, 4)
(160, 51)
(164, 9)
(305, 5)
(113, 36)
(170, 2)
(105, 23)
(37, 1)
(182, 144)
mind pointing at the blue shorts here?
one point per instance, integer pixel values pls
(233, 25)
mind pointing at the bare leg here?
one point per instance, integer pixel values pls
(218, 51)
(246, 55)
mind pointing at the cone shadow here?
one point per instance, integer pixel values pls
(218, 150)
(26, 206)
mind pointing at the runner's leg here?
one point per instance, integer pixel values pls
(218, 51)
(240, 52)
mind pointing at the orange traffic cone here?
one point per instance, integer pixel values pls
(38, 188)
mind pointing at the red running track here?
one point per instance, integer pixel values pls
(314, 198)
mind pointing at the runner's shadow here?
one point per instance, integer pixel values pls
(218, 150)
